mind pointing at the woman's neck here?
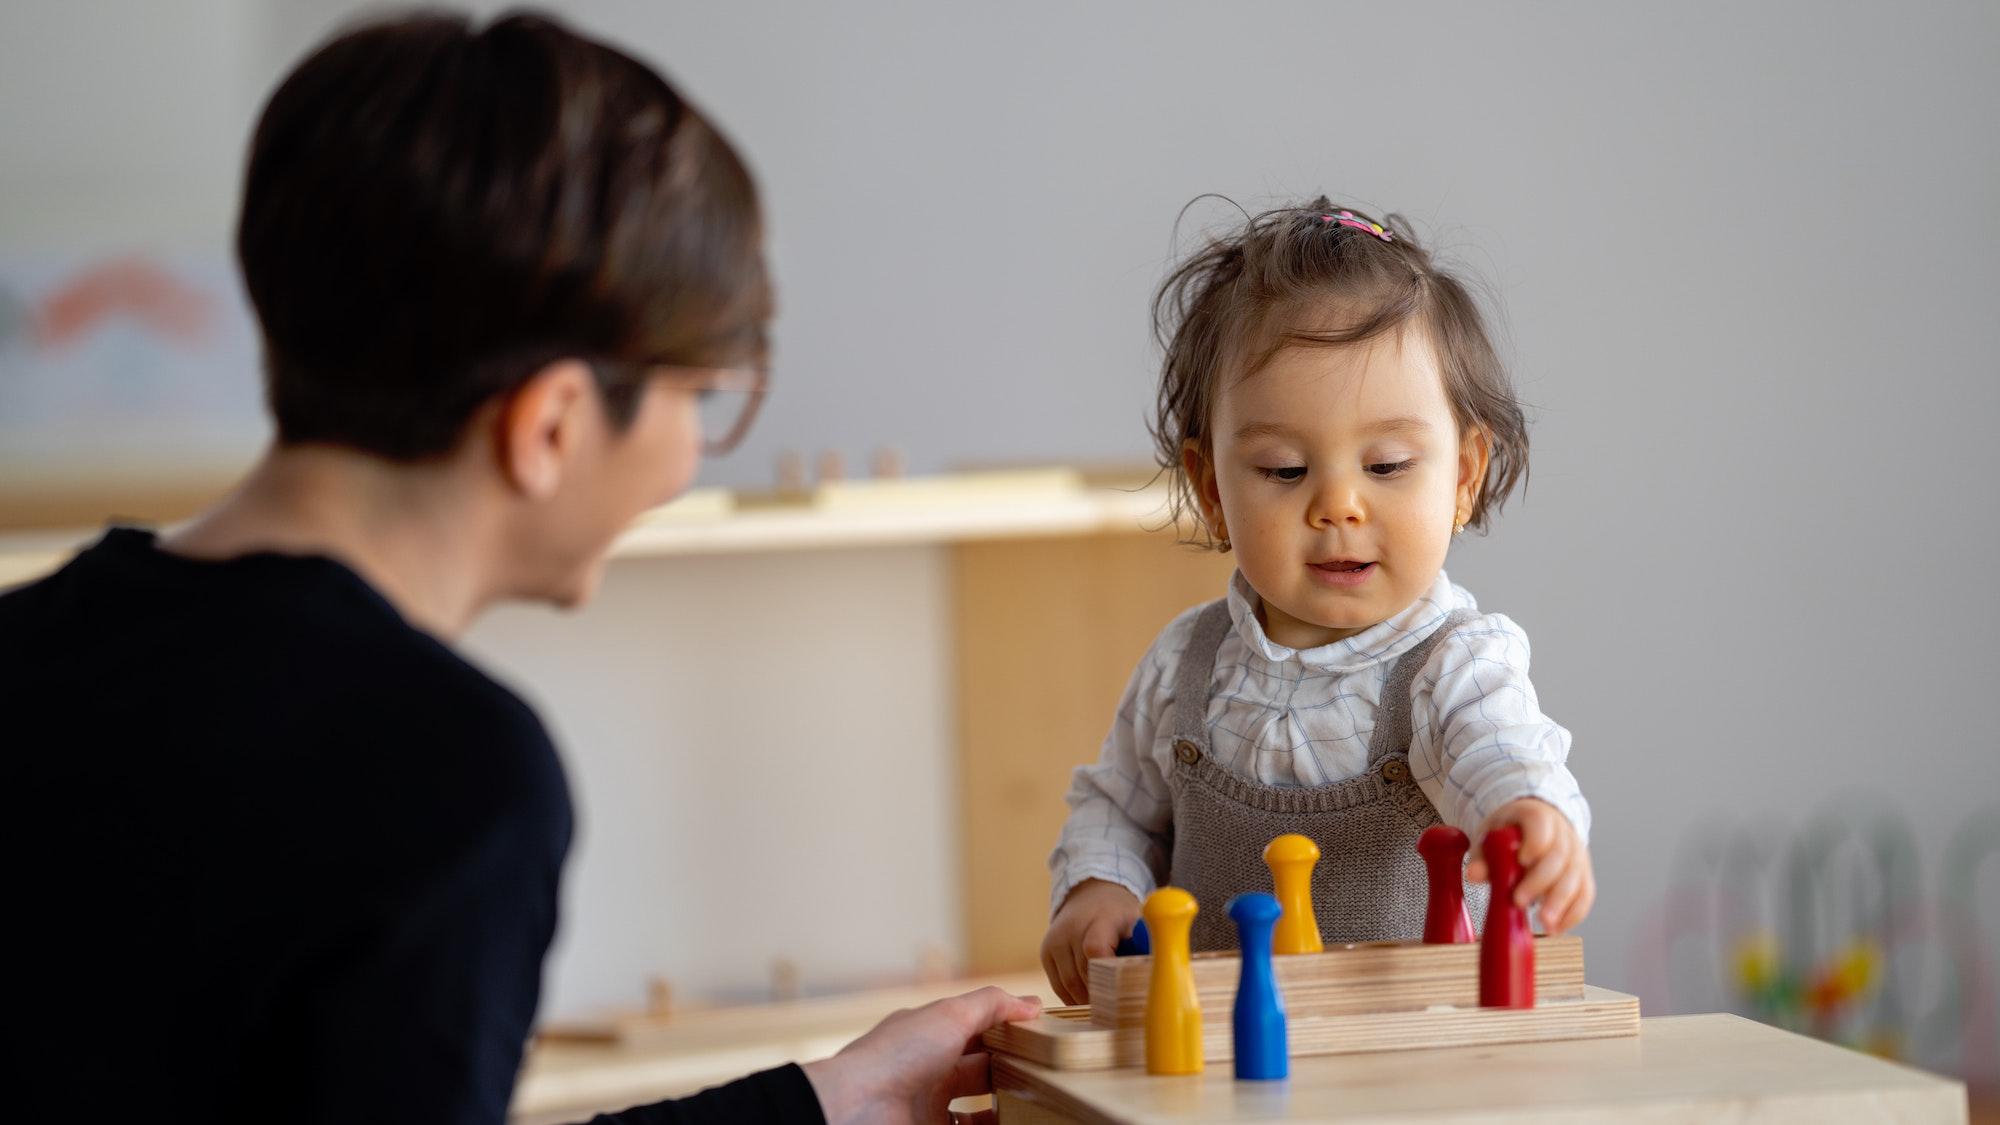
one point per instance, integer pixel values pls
(414, 533)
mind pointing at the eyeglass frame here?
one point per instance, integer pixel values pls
(753, 382)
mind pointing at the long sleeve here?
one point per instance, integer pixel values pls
(420, 1005)
(781, 1096)
(1479, 737)
(1120, 807)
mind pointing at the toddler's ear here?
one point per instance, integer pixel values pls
(1200, 470)
(1475, 452)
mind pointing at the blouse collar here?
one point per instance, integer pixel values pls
(1373, 645)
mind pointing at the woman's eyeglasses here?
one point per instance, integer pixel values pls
(728, 400)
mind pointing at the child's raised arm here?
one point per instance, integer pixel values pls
(1486, 755)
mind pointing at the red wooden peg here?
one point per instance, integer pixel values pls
(1507, 949)
(1446, 921)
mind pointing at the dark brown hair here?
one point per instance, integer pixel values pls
(1292, 277)
(433, 211)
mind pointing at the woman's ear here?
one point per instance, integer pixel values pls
(542, 425)
(1200, 470)
(1475, 450)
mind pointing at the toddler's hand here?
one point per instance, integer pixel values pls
(1093, 917)
(1555, 865)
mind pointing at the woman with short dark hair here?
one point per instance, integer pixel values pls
(298, 853)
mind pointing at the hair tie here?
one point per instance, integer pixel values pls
(1348, 219)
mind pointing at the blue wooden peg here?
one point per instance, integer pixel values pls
(1259, 1017)
(1140, 944)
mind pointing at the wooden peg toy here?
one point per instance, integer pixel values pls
(1507, 948)
(784, 979)
(1173, 1010)
(1258, 1019)
(792, 472)
(1291, 858)
(1135, 944)
(1446, 921)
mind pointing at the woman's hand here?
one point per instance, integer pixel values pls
(1093, 916)
(1555, 865)
(910, 1066)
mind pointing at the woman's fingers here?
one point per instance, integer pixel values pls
(988, 1007)
(970, 1076)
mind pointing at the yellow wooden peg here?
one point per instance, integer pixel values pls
(1291, 858)
(1173, 1011)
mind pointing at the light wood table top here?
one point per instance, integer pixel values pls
(1679, 1069)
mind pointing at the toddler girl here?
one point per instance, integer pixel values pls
(1332, 409)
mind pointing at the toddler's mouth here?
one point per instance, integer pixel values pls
(1342, 573)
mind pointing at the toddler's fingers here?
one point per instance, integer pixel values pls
(1100, 939)
(1561, 900)
(1542, 875)
(1475, 872)
(1056, 966)
(1586, 897)
(1079, 963)
(1080, 968)
(1539, 836)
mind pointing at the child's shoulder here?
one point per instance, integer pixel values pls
(1164, 656)
(1474, 636)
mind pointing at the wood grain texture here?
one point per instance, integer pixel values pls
(1067, 1039)
(1678, 1070)
(1343, 980)
(1047, 633)
(697, 1029)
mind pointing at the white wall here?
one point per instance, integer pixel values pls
(760, 749)
(123, 124)
(1747, 253)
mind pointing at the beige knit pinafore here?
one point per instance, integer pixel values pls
(1370, 882)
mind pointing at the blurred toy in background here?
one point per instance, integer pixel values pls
(1828, 933)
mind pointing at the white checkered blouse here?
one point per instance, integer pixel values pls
(1283, 716)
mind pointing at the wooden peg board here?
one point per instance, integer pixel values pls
(1378, 996)
(1380, 976)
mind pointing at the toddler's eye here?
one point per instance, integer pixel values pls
(1389, 468)
(1287, 473)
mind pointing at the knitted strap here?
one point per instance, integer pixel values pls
(1197, 668)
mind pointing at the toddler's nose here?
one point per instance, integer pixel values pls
(1338, 501)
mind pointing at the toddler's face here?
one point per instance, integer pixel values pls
(1337, 475)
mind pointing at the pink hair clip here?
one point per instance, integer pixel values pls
(1347, 219)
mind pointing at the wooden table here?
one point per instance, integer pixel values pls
(1679, 1069)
